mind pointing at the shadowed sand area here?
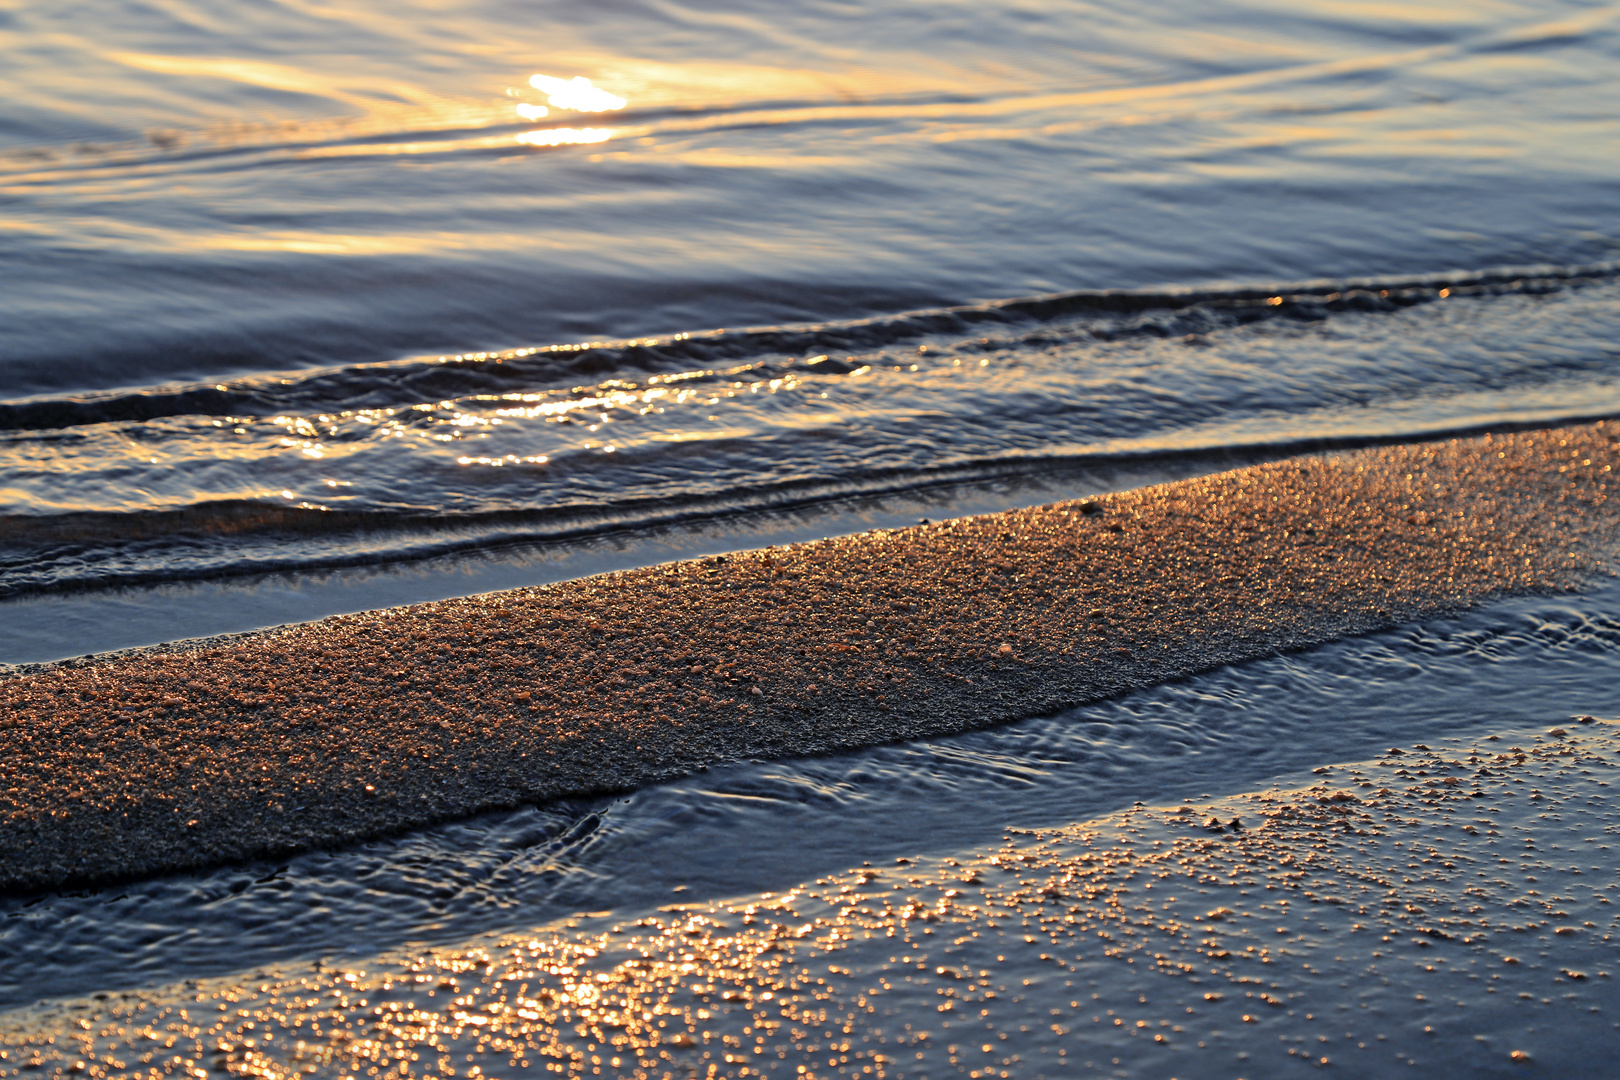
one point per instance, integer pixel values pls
(360, 725)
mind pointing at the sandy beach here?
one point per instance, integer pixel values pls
(883, 541)
(364, 725)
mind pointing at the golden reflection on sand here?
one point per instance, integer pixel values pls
(1445, 901)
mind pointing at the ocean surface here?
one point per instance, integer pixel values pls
(489, 293)
(311, 306)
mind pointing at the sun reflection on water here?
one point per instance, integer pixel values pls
(566, 136)
(576, 94)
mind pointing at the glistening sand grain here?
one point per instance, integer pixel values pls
(1442, 910)
(361, 725)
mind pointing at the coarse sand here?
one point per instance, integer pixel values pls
(362, 725)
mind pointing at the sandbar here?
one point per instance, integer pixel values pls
(356, 726)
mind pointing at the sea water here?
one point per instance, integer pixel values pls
(295, 289)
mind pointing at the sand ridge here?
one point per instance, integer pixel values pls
(362, 725)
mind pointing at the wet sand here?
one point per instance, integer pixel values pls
(356, 726)
(1447, 907)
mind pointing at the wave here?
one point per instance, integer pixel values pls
(769, 351)
(421, 458)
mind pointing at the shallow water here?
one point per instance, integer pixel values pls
(366, 473)
(747, 827)
(51, 624)
(299, 289)
(300, 315)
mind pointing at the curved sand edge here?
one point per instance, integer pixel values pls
(357, 726)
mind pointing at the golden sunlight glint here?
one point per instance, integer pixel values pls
(576, 94)
(566, 136)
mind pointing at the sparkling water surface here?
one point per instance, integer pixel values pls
(312, 286)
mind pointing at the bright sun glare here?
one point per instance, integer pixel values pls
(576, 94)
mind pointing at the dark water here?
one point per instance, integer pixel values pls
(297, 287)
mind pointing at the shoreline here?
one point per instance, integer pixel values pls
(328, 733)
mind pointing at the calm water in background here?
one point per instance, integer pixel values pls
(294, 286)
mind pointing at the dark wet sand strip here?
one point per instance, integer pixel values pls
(356, 726)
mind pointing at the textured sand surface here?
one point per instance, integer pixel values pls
(360, 725)
(1441, 910)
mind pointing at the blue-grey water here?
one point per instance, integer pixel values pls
(291, 288)
(317, 306)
